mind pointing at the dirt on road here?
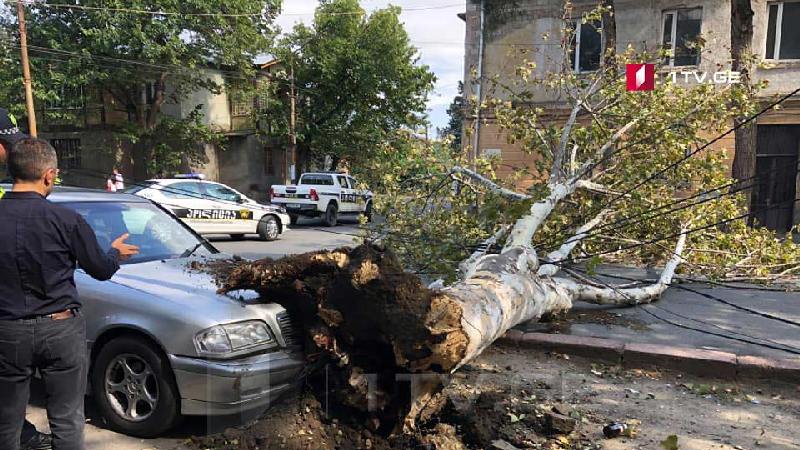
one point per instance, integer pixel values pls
(514, 399)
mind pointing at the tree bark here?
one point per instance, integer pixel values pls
(744, 160)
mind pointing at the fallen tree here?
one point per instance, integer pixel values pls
(372, 320)
(373, 325)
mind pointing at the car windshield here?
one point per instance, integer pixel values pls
(157, 234)
(317, 179)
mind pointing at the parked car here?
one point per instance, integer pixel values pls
(323, 194)
(162, 342)
(214, 208)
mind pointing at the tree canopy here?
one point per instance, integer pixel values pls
(358, 81)
(140, 54)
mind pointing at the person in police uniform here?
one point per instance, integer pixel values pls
(41, 326)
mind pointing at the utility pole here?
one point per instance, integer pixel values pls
(26, 70)
(292, 129)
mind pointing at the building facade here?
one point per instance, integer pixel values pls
(501, 34)
(82, 128)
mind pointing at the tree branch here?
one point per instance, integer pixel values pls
(630, 296)
(604, 151)
(548, 270)
(467, 267)
(489, 184)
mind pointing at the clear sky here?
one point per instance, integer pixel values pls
(433, 28)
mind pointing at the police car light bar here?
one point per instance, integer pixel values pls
(191, 176)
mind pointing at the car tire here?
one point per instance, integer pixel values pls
(237, 237)
(268, 228)
(331, 215)
(148, 374)
(293, 219)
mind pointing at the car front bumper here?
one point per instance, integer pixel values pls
(213, 388)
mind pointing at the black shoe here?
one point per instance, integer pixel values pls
(39, 441)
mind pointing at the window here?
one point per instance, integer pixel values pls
(317, 179)
(69, 97)
(343, 182)
(188, 189)
(220, 192)
(681, 35)
(69, 153)
(783, 34)
(269, 161)
(586, 47)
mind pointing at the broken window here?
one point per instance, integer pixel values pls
(681, 35)
(586, 47)
(783, 34)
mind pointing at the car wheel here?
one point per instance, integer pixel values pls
(237, 237)
(331, 215)
(268, 228)
(293, 219)
(133, 388)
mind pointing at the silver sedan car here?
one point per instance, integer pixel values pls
(163, 343)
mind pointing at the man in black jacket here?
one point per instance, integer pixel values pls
(10, 134)
(41, 326)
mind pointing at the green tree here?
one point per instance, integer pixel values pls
(358, 81)
(142, 54)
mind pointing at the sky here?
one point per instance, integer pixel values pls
(433, 27)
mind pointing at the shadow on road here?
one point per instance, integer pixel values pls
(190, 426)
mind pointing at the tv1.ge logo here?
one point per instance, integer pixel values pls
(642, 77)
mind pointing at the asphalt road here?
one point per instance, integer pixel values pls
(307, 235)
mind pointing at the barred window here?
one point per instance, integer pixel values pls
(69, 153)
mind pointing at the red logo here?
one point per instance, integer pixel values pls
(640, 77)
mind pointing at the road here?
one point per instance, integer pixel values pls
(307, 235)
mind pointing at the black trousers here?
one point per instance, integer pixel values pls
(58, 349)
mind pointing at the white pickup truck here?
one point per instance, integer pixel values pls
(323, 194)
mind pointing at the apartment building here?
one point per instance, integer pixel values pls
(501, 33)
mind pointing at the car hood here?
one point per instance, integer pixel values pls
(176, 280)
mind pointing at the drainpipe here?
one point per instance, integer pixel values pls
(478, 90)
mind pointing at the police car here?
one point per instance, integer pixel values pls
(214, 208)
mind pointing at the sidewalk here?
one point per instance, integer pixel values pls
(741, 330)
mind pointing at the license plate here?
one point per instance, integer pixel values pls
(295, 205)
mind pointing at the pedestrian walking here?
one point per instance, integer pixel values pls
(30, 437)
(41, 325)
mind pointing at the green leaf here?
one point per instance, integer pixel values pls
(670, 443)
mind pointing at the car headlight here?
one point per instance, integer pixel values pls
(221, 339)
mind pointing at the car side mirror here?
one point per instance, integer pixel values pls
(239, 199)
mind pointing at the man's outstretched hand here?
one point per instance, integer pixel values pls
(125, 250)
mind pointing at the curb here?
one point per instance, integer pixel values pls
(709, 363)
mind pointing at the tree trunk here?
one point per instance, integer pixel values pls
(744, 160)
(375, 322)
(610, 33)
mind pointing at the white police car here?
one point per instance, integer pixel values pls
(213, 208)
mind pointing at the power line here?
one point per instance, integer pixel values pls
(703, 147)
(232, 15)
(37, 4)
(749, 339)
(675, 235)
(685, 158)
(643, 216)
